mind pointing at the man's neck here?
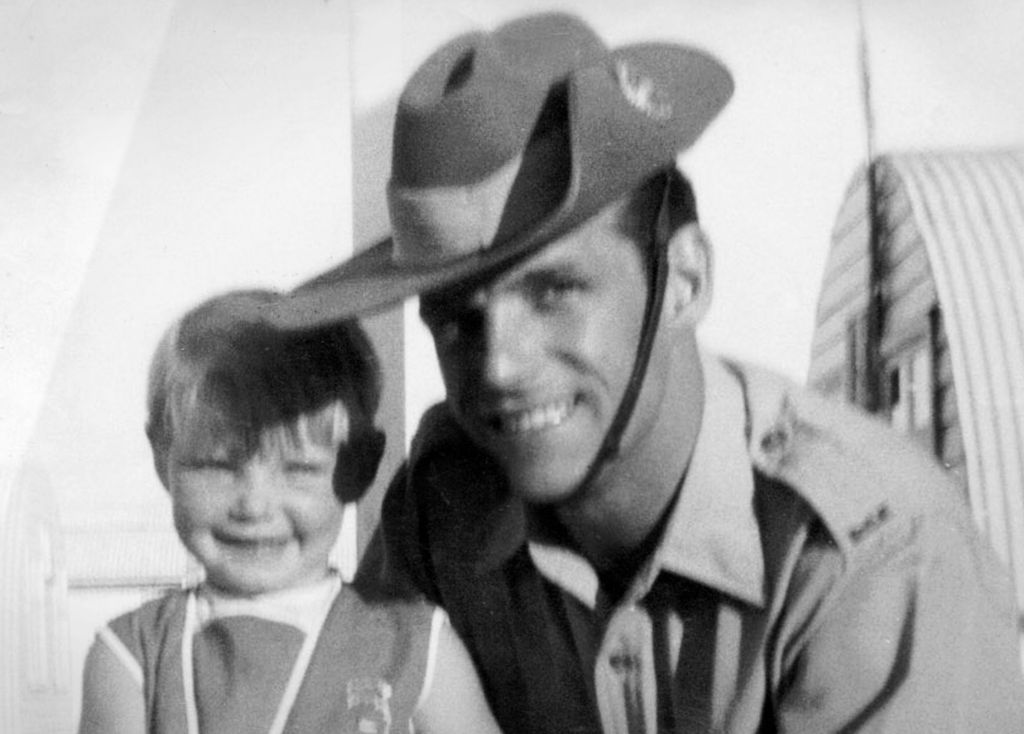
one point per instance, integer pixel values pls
(617, 521)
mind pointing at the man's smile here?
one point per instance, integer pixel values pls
(528, 420)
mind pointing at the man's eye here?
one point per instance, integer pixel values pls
(447, 332)
(435, 318)
(551, 293)
(449, 326)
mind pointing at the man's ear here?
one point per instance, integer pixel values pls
(688, 289)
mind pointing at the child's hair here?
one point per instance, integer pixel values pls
(223, 374)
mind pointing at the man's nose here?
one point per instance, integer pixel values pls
(508, 345)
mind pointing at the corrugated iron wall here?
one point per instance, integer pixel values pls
(844, 292)
(969, 208)
(963, 210)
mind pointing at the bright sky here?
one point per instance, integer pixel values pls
(156, 151)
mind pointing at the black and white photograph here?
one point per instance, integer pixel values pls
(464, 367)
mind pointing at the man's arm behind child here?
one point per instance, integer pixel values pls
(453, 697)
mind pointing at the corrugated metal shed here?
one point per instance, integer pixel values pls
(969, 208)
(963, 211)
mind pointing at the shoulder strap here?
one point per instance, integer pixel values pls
(153, 633)
(368, 667)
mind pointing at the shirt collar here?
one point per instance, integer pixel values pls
(301, 607)
(712, 535)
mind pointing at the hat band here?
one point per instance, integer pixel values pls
(434, 225)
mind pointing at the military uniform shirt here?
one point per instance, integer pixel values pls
(816, 574)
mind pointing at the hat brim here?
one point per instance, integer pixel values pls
(371, 281)
(614, 146)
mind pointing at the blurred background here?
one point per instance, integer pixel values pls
(154, 152)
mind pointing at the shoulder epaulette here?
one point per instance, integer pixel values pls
(854, 472)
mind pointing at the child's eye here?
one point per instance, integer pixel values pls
(305, 468)
(211, 464)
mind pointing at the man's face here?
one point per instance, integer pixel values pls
(535, 362)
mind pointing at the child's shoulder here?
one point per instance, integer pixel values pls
(373, 650)
(155, 617)
(369, 626)
(137, 636)
(377, 608)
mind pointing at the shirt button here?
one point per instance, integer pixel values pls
(774, 440)
(624, 674)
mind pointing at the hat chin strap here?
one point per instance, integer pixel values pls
(611, 444)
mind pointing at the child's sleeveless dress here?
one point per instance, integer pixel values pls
(318, 659)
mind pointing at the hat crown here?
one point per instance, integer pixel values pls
(505, 141)
(472, 105)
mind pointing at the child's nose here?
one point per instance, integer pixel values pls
(255, 494)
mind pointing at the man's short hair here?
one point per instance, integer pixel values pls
(667, 187)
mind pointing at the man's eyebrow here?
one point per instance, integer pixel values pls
(456, 298)
(557, 266)
(553, 276)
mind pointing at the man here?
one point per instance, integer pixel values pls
(631, 535)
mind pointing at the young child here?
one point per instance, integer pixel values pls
(259, 438)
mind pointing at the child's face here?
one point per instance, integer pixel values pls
(257, 523)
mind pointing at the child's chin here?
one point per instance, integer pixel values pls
(250, 583)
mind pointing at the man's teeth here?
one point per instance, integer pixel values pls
(544, 416)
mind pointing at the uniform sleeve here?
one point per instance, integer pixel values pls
(916, 633)
(112, 693)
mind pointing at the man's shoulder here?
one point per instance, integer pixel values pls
(856, 473)
(436, 429)
(372, 617)
(444, 457)
(447, 489)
